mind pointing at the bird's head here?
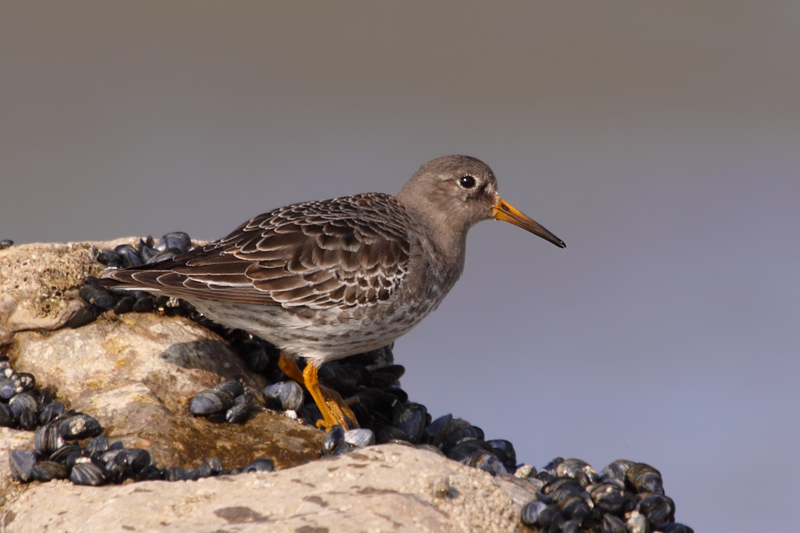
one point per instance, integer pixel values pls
(459, 191)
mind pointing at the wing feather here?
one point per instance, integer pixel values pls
(345, 251)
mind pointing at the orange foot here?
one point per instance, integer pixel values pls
(333, 408)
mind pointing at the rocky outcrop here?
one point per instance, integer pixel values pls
(380, 488)
(136, 373)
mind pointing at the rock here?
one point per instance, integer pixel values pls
(386, 488)
(39, 284)
(136, 374)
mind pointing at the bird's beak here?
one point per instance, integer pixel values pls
(505, 211)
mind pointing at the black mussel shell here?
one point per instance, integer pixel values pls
(6, 243)
(215, 466)
(97, 446)
(22, 463)
(130, 257)
(644, 478)
(144, 304)
(109, 258)
(436, 432)
(80, 426)
(608, 497)
(66, 455)
(287, 394)
(9, 387)
(460, 435)
(177, 240)
(50, 412)
(151, 473)
(232, 386)
(531, 512)
(163, 256)
(211, 401)
(257, 359)
(125, 305)
(384, 434)
(240, 412)
(411, 418)
(26, 381)
(572, 526)
(133, 459)
(504, 451)
(177, 473)
(334, 442)
(114, 471)
(47, 396)
(204, 470)
(83, 316)
(612, 524)
(146, 253)
(658, 509)
(96, 295)
(48, 440)
(553, 465)
(397, 393)
(615, 473)
(464, 452)
(562, 487)
(25, 410)
(259, 465)
(574, 467)
(574, 506)
(87, 473)
(637, 523)
(359, 437)
(6, 416)
(488, 462)
(538, 513)
(49, 470)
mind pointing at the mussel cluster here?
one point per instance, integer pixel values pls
(625, 497)
(99, 300)
(60, 455)
(70, 445)
(22, 404)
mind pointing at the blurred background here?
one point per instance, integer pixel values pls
(660, 140)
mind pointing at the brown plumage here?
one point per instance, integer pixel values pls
(324, 280)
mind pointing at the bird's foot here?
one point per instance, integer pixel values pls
(339, 409)
(334, 410)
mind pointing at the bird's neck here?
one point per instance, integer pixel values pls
(448, 241)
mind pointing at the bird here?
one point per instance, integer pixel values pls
(323, 280)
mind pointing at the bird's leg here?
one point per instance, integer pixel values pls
(337, 407)
(333, 409)
(289, 367)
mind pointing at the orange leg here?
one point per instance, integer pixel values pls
(334, 410)
(289, 367)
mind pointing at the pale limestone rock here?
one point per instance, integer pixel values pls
(38, 283)
(381, 488)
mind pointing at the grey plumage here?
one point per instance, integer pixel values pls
(324, 280)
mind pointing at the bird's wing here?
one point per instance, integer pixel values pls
(342, 252)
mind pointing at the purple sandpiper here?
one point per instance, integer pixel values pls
(328, 279)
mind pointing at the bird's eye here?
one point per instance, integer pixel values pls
(467, 182)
